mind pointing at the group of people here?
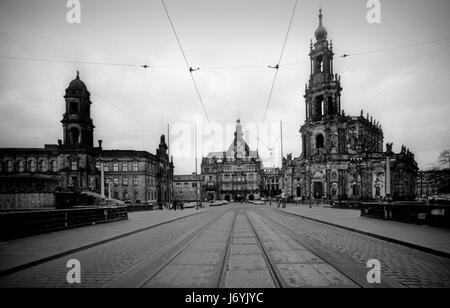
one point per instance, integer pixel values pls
(171, 206)
(177, 205)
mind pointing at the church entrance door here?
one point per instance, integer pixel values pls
(318, 190)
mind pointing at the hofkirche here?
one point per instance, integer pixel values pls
(342, 155)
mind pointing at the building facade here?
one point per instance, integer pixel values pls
(187, 188)
(30, 177)
(272, 182)
(234, 174)
(342, 156)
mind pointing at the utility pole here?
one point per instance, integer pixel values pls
(196, 174)
(270, 190)
(168, 186)
(281, 143)
(281, 151)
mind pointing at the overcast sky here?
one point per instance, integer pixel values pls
(406, 90)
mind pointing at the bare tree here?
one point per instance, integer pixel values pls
(444, 159)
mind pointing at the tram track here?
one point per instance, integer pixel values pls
(259, 240)
(341, 262)
(277, 226)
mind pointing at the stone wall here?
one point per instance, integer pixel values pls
(19, 201)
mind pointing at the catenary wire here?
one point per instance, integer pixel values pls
(191, 70)
(279, 61)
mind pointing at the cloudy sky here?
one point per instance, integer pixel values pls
(406, 90)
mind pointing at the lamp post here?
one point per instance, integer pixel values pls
(310, 184)
(102, 180)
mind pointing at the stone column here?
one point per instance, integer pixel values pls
(102, 181)
(388, 177)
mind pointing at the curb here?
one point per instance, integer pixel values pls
(385, 238)
(78, 249)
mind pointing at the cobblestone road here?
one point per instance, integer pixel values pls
(235, 253)
(104, 263)
(410, 267)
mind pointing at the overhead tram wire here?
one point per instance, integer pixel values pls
(277, 66)
(100, 99)
(191, 70)
(368, 52)
(224, 67)
(393, 48)
(416, 67)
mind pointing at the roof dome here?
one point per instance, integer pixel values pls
(77, 84)
(321, 33)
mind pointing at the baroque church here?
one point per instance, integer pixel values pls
(343, 156)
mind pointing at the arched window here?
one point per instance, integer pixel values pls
(319, 65)
(21, 166)
(319, 141)
(43, 166)
(74, 136)
(32, 166)
(355, 190)
(54, 166)
(73, 107)
(331, 109)
(318, 108)
(10, 166)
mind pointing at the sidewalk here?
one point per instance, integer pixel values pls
(427, 238)
(35, 249)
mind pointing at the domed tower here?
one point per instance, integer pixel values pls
(322, 93)
(323, 90)
(78, 128)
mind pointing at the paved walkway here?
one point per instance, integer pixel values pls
(437, 239)
(26, 250)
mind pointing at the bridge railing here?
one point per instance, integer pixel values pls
(24, 223)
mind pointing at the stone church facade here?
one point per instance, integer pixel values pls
(343, 156)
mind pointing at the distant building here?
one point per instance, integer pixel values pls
(342, 156)
(138, 176)
(30, 177)
(234, 174)
(272, 181)
(287, 171)
(187, 188)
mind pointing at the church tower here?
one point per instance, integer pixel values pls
(78, 128)
(322, 97)
(323, 92)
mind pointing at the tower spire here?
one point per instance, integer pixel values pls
(321, 32)
(320, 17)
